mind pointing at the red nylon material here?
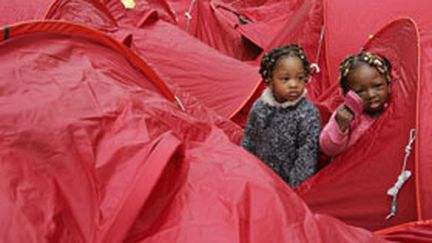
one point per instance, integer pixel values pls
(22, 10)
(219, 82)
(415, 232)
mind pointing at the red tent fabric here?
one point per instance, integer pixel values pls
(243, 29)
(415, 232)
(232, 86)
(218, 23)
(349, 24)
(187, 65)
(93, 150)
(22, 10)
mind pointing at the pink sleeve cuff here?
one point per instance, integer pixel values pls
(332, 139)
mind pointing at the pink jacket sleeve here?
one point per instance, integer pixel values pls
(332, 140)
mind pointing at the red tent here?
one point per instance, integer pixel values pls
(378, 14)
(366, 17)
(220, 82)
(93, 150)
(349, 185)
(236, 28)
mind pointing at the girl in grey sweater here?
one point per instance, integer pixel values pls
(283, 126)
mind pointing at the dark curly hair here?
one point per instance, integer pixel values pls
(351, 62)
(270, 59)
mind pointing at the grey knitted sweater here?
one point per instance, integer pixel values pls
(284, 136)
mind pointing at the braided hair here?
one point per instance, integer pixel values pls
(351, 62)
(271, 58)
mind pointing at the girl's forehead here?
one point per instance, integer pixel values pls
(289, 68)
(290, 60)
(364, 74)
(290, 56)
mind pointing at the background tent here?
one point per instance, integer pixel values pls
(232, 26)
(236, 28)
(187, 65)
(94, 150)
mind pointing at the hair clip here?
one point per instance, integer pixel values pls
(378, 62)
(345, 72)
(381, 69)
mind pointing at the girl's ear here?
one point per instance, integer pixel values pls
(270, 85)
(389, 88)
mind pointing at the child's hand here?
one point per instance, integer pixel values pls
(344, 117)
(354, 103)
(352, 108)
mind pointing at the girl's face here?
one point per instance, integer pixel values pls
(372, 87)
(288, 79)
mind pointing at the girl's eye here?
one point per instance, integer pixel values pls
(378, 86)
(360, 91)
(301, 78)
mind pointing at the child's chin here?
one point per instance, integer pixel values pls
(374, 112)
(378, 107)
(292, 98)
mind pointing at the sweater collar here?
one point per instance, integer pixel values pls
(268, 98)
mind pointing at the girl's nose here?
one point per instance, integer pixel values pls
(292, 83)
(371, 93)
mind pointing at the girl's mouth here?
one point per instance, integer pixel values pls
(293, 94)
(374, 104)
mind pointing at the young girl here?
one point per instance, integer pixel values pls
(283, 126)
(365, 82)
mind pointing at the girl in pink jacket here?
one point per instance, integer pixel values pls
(365, 82)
